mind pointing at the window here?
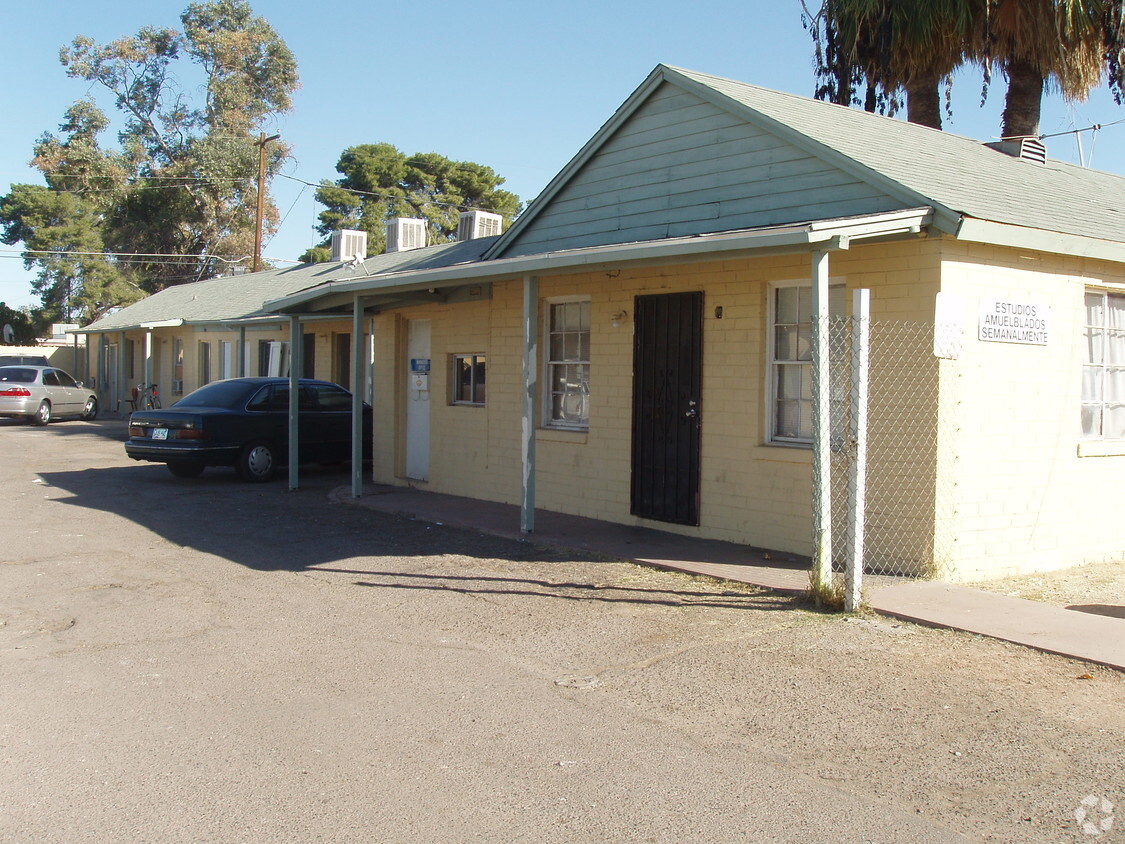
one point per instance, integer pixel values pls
(468, 379)
(568, 364)
(790, 354)
(1103, 373)
(204, 363)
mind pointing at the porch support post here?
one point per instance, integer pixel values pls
(295, 366)
(857, 475)
(821, 419)
(530, 381)
(359, 377)
(148, 361)
(119, 375)
(242, 351)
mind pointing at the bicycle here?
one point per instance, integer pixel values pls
(146, 397)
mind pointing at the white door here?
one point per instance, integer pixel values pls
(418, 399)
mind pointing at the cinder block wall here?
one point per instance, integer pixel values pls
(751, 492)
(1027, 499)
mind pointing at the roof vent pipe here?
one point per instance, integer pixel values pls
(1028, 147)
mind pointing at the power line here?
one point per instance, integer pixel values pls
(126, 257)
(358, 192)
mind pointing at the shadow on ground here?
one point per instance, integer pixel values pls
(267, 527)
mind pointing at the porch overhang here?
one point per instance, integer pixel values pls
(416, 286)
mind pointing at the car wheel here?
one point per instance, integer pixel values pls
(184, 469)
(43, 414)
(257, 461)
(90, 411)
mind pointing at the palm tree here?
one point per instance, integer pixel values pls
(899, 45)
(892, 46)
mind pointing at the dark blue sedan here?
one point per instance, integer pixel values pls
(244, 423)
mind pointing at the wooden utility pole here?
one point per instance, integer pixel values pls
(262, 141)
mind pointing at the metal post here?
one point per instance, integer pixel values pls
(242, 351)
(359, 375)
(821, 418)
(119, 375)
(148, 364)
(857, 472)
(530, 380)
(295, 365)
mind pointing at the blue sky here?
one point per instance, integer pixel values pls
(514, 85)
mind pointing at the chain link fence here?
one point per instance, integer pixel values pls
(911, 401)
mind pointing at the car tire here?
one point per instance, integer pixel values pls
(43, 414)
(257, 461)
(184, 469)
(90, 411)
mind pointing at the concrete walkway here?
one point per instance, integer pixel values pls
(1092, 638)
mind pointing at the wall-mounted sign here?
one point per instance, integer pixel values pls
(1014, 321)
(419, 364)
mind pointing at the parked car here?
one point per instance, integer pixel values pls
(244, 423)
(43, 393)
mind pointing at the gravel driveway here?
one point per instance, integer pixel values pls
(207, 660)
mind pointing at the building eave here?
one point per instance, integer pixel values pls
(814, 235)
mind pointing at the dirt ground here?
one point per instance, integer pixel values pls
(1099, 584)
(207, 660)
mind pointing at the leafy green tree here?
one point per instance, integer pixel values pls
(22, 325)
(176, 201)
(380, 183)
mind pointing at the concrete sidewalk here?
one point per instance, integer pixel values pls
(1092, 638)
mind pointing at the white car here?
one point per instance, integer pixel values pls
(43, 393)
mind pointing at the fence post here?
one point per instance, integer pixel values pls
(821, 418)
(857, 468)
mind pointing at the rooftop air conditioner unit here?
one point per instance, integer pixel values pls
(474, 224)
(404, 233)
(347, 243)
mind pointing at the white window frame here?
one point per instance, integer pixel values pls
(455, 378)
(836, 288)
(549, 365)
(1096, 373)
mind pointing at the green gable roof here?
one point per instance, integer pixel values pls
(691, 153)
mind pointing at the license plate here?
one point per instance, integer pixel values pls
(160, 433)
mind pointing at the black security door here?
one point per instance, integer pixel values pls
(667, 370)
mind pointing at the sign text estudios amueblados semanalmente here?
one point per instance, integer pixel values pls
(1006, 321)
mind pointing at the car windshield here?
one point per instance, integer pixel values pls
(227, 394)
(17, 374)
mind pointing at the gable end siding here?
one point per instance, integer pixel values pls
(682, 166)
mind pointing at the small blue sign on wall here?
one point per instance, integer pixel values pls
(419, 364)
